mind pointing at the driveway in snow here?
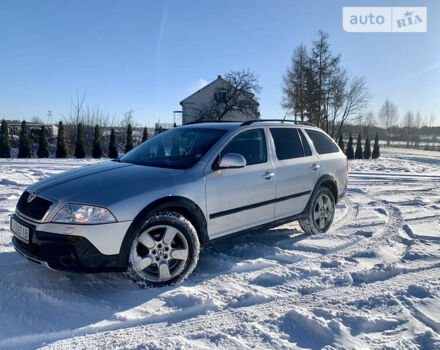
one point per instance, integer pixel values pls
(372, 281)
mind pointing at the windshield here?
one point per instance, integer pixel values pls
(179, 148)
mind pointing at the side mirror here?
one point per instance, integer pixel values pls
(232, 160)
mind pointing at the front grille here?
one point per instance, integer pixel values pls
(36, 209)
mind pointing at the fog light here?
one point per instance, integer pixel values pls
(75, 239)
(67, 260)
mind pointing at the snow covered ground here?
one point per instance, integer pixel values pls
(373, 281)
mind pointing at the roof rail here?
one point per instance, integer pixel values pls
(211, 121)
(296, 122)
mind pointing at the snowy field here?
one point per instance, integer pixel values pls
(373, 281)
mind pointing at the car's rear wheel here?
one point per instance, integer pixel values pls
(165, 251)
(321, 213)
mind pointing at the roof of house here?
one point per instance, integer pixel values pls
(219, 77)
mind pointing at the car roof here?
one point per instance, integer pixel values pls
(225, 125)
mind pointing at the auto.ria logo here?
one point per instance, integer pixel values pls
(384, 19)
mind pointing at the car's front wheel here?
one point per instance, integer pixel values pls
(165, 251)
(321, 213)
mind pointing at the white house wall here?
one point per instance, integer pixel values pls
(192, 104)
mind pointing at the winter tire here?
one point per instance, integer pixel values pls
(321, 213)
(165, 251)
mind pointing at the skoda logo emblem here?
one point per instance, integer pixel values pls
(31, 197)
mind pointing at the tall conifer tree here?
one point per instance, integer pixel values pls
(113, 147)
(79, 147)
(43, 145)
(97, 151)
(5, 146)
(61, 151)
(358, 154)
(24, 149)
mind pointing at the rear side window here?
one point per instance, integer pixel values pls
(288, 145)
(323, 144)
(250, 144)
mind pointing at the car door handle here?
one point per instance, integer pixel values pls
(315, 167)
(268, 175)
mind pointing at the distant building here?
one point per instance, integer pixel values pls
(14, 128)
(215, 91)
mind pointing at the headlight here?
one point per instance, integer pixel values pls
(83, 214)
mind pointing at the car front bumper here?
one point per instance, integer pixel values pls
(71, 247)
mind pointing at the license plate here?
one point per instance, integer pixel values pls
(20, 231)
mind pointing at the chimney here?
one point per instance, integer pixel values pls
(219, 76)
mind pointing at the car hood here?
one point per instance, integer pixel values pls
(105, 183)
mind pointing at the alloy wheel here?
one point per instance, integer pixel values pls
(323, 211)
(159, 253)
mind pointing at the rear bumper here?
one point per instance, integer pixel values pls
(64, 252)
(342, 194)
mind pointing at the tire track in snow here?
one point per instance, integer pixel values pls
(219, 321)
(282, 294)
(350, 215)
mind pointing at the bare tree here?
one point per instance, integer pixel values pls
(417, 126)
(77, 108)
(431, 120)
(356, 100)
(336, 99)
(370, 119)
(408, 125)
(388, 117)
(367, 121)
(128, 118)
(236, 95)
(88, 116)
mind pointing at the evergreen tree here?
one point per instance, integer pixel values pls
(129, 143)
(376, 150)
(350, 151)
(358, 152)
(79, 147)
(5, 146)
(61, 142)
(367, 148)
(145, 135)
(43, 145)
(341, 143)
(96, 152)
(112, 149)
(24, 149)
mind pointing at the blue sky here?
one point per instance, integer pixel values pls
(149, 55)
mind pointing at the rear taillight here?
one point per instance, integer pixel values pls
(347, 163)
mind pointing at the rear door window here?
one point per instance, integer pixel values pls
(288, 144)
(323, 143)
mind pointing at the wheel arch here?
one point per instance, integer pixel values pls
(328, 181)
(181, 205)
(331, 183)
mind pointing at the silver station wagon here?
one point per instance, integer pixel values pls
(149, 212)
